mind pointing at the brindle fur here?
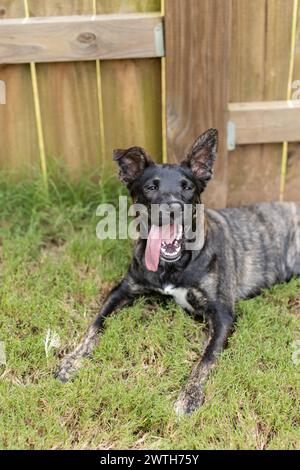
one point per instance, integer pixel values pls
(245, 249)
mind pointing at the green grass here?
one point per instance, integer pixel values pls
(54, 273)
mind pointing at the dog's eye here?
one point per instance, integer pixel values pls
(187, 186)
(152, 186)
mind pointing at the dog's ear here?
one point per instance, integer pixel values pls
(202, 155)
(132, 162)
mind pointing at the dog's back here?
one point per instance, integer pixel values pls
(262, 244)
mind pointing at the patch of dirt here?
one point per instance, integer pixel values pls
(52, 246)
(79, 298)
(105, 288)
(294, 305)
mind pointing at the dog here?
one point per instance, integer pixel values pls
(243, 251)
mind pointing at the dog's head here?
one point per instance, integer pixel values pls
(169, 186)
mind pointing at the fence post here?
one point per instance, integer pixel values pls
(197, 69)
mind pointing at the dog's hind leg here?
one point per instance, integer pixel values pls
(221, 321)
(120, 296)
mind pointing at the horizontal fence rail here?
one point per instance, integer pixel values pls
(265, 122)
(69, 38)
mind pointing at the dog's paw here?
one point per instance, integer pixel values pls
(62, 375)
(67, 368)
(188, 401)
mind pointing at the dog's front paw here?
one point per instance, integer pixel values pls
(189, 400)
(67, 368)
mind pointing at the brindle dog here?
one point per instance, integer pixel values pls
(244, 250)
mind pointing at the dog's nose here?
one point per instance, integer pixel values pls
(172, 210)
(175, 207)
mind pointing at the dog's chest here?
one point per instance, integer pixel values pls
(179, 294)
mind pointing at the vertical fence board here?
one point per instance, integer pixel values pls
(292, 188)
(19, 146)
(260, 55)
(131, 93)
(197, 43)
(246, 79)
(68, 95)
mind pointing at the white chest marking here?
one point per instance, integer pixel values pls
(179, 294)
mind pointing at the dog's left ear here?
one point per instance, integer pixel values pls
(132, 162)
(202, 155)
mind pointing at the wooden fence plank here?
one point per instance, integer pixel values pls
(265, 121)
(19, 146)
(197, 43)
(292, 186)
(67, 38)
(68, 95)
(131, 93)
(260, 54)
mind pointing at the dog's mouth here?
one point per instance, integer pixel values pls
(164, 242)
(170, 250)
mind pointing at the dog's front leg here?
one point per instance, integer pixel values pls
(220, 321)
(120, 296)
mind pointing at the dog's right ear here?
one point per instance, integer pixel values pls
(132, 162)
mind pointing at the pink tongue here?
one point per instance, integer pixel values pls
(156, 235)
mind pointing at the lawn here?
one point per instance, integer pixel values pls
(54, 274)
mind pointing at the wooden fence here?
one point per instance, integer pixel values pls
(85, 76)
